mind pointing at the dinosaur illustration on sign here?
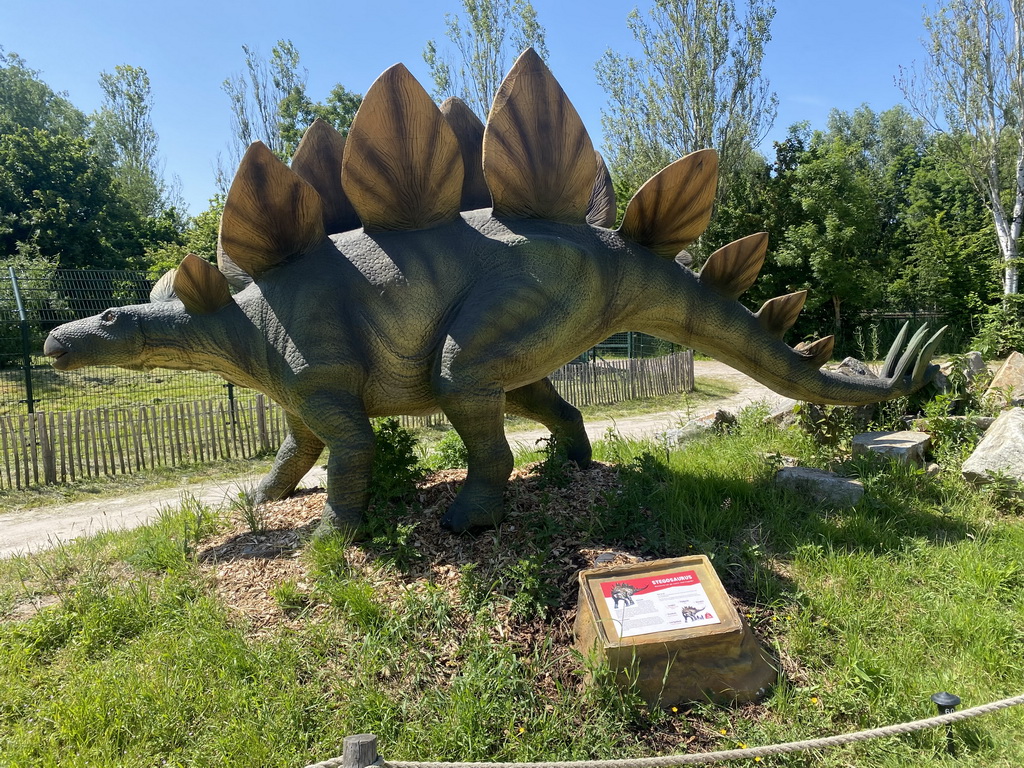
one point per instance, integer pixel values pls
(430, 263)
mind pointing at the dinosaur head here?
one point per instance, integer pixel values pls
(144, 335)
(113, 337)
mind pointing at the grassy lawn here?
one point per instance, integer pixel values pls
(197, 641)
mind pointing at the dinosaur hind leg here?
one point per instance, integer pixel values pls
(540, 402)
(296, 456)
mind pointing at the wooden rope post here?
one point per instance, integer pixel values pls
(359, 751)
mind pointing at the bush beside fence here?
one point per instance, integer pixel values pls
(64, 446)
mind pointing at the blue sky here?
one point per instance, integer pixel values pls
(823, 54)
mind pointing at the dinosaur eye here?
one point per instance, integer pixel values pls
(108, 317)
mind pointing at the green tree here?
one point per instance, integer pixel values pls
(492, 34)
(269, 103)
(27, 101)
(697, 84)
(199, 236)
(124, 132)
(952, 262)
(972, 88)
(833, 242)
(59, 201)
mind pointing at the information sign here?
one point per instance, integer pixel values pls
(642, 605)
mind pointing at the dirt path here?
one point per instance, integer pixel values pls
(30, 530)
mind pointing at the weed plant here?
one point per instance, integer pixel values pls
(115, 650)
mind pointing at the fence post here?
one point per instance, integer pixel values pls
(26, 343)
(359, 751)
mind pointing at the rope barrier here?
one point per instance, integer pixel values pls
(724, 755)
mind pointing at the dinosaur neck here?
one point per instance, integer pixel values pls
(223, 342)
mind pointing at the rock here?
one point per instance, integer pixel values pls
(821, 486)
(907, 447)
(783, 413)
(1009, 379)
(851, 366)
(1001, 451)
(933, 469)
(973, 364)
(698, 427)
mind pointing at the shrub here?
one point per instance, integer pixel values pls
(1002, 328)
(450, 452)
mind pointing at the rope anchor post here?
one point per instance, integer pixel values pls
(359, 751)
(947, 704)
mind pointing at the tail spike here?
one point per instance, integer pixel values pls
(733, 268)
(779, 314)
(926, 355)
(817, 352)
(909, 355)
(890, 359)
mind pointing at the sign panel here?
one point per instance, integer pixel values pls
(642, 605)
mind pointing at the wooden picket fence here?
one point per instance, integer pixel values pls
(64, 446)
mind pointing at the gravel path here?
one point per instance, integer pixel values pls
(30, 530)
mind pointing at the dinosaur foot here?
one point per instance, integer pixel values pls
(348, 523)
(466, 514)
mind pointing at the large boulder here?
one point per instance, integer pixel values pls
(1009, 379)
(1000, 452)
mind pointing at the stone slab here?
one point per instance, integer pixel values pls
(821, 486)
(907, 446)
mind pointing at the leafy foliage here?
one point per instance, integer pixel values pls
(269, 103)
(687, 91)
(488, 39)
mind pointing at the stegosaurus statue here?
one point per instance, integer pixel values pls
(417, 267)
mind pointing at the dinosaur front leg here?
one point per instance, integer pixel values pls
(541, 402)
(340, 422)
(296, 456)
(476, 411)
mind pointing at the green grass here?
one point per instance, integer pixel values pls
(93, 387)
(918, 589)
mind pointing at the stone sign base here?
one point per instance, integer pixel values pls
(669, 631)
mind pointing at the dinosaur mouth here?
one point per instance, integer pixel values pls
(56, 350)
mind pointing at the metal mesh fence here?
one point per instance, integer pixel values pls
(49, 297)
